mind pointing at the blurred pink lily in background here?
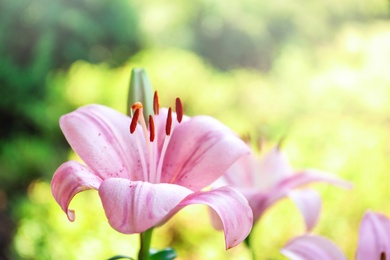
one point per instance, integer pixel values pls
(145, 176)
(374, 242)
(264, 181)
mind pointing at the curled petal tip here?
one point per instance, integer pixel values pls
(230, 210)
(309, 204)
(71, 215)
(68, 180)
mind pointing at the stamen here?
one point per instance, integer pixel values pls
(136, 105)
(383, 256)
(156, 105)
(280, 144)
(246, 138)
(141, 154)
(134, 121)
(179, 110)
(261, 142)
(169, 122)
(151, 128)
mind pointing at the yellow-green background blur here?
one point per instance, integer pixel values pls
(314, 72)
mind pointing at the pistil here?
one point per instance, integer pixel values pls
(133, 127)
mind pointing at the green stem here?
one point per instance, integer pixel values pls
(145, 239)
(247, 242)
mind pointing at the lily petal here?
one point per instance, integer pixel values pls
(309, 176)
(274, 166)
(374, 236)
(68, 180)
(134, 207)
(308, 247)
(240, 174)
(200, 151)
(309, 204)
(264, 200)
(100, 136)
(281, 189)
(233, 213)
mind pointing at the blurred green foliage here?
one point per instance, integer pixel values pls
(37, 38)
(315, 72)
(250, 34)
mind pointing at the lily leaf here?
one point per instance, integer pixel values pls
(164, 254)
(120, 257)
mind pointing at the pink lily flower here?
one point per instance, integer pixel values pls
(145, 176)
(264, 181)
(374, 242)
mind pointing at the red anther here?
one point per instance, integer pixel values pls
(383, 256)
(134, 121)
(169, 122)
(156, 105)
(179, 110)
(136, 105)
(151, 128)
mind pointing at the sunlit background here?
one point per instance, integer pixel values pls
(314, 72)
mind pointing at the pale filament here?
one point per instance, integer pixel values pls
(156, 159)
(142, 157)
